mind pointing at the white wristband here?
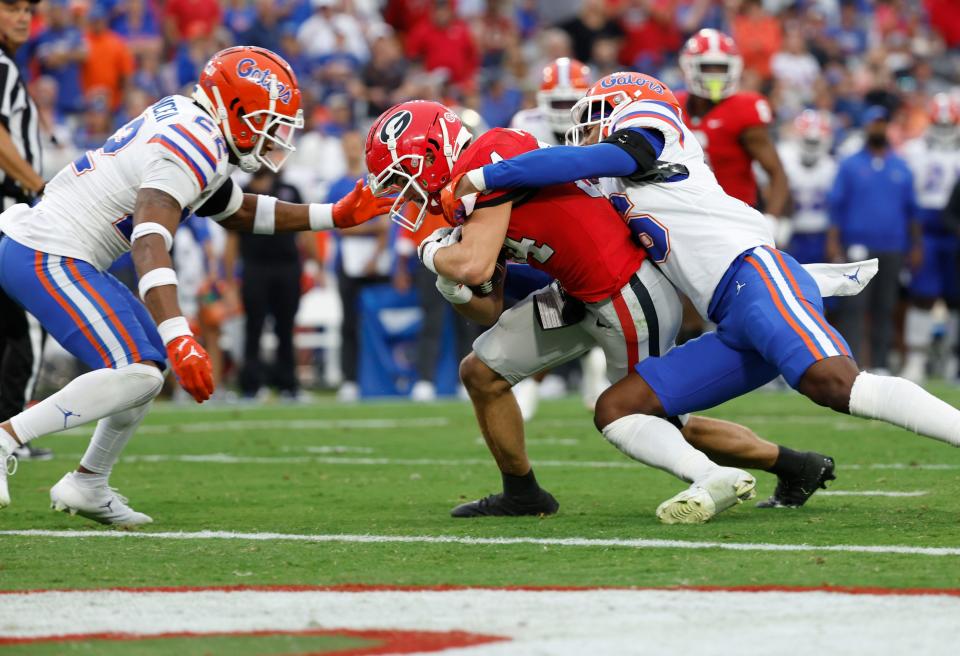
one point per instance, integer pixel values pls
(156, 278)
(152, 228)
(428, 252)
(454, 292)
(475, 176)
(321, 216)
(172, 328)
(265, 219)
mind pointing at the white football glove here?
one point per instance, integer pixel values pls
(454, 292)
(439, 238)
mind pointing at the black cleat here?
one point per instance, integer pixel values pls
(500, 505)
(793, 492)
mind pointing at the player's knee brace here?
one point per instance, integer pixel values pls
(139, 383)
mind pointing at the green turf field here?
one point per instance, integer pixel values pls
(396, 469)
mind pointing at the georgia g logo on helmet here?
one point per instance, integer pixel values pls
(394, 126)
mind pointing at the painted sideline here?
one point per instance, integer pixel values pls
(638, 543)
(378, 587)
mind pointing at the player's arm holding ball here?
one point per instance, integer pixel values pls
(466, 259)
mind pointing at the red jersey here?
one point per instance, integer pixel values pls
(719, 132)
(570, 231)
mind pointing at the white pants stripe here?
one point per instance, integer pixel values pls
(794, 304)
(97, 322)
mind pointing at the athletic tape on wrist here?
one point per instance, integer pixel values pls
(428, 253)
(321, 216)
(174, 327)
(265, 219)
(475, 176)
(156, 278)
(454, 292)
(152, 228)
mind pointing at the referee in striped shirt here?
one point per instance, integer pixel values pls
(21, 338)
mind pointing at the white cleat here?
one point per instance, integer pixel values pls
(723, 489)
(8, 467)
(101, 504)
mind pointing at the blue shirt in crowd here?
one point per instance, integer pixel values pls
(54, 41)
(872, 201)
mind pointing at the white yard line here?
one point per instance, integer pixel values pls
(871, 493)
(225, 458)
(231, 459)
(603, 543)
(215, 426)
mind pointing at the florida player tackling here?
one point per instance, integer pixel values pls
(607, 293)
(131, 194)
(719, 252)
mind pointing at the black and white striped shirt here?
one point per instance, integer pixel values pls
(18, 114)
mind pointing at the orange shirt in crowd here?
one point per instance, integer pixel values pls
(758, 39)
(109, 64)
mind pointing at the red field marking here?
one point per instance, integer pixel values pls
(391, 642)
(362, 587)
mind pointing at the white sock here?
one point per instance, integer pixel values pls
(7, 443)
(899, 402)
(658, 443)
(90, 481)
(110, 437)
(89, 397)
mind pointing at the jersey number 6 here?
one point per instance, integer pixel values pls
(652, 235)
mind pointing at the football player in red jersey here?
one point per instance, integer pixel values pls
(731, 125)
(607, 293)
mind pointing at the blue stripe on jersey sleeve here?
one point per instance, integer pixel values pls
(560, 164)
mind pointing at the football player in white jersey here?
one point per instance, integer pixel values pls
(810, 172)
(934, 159)
(563, 83)
(130, 195)
(720, 253)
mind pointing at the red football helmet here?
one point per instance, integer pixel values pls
(611, 92)
(564, 83)
(411, 149)
(815, 133)
(253, 96)
(944, 116)
(711, 65)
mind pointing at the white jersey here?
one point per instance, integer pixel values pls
(87, 209)
(535, 122)
(809, 187)
(692, 229)
(935, 167)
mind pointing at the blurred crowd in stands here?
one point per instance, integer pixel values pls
(94, 64)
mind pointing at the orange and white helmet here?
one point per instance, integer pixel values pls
(252, 95)
(814, 131)
(944, 112)
(609, 93)
(564, 83)
(711, 65)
